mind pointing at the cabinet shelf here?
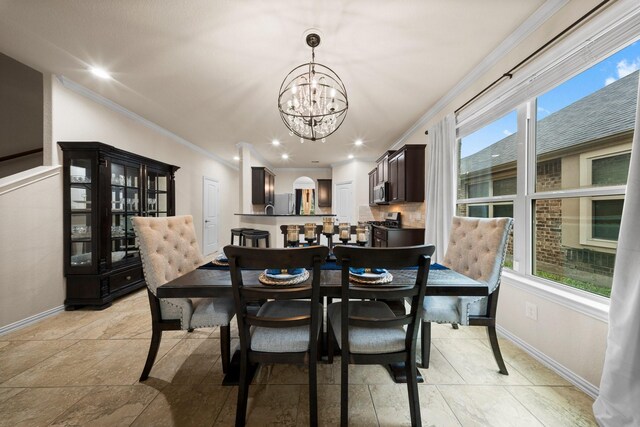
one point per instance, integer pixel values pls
(105, 266)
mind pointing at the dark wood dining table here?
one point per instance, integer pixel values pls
(213, 283)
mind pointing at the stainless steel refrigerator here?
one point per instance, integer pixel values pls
(284, 204)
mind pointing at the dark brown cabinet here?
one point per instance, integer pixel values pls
(262, 186)
(406, 174)
(372, 183)
(384, 237)
(324, 193)
(104, 188)
(383, 168)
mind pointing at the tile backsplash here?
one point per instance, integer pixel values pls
(411, 214)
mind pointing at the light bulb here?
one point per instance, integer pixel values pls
(332, 92)
(314, 83)
(294, 89)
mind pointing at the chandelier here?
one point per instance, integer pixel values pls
(312, 100)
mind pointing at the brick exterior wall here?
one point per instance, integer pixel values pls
(548, 214)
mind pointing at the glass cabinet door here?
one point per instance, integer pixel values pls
(80, 212)
(157, 193)
(125, 204)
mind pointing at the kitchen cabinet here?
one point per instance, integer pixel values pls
(324, 193)
(372, 183)
(382, 168)
(386, 237)
(103, 188)
(406, 174)
(262, 186)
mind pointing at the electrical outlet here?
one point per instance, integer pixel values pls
(531, 311)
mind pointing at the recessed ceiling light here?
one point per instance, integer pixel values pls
(285, 156)
(358, 142)
(275, 142)
(100, 72)
(236, 158)
(351, 156)
(495, 155)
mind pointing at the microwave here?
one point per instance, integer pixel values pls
(381, 193)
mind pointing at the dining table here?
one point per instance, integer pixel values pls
(214, 281)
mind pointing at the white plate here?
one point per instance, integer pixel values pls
(369, 275)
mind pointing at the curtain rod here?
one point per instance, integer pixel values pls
(509, 73)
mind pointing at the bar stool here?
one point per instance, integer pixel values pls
(255, 236)
(238, 232)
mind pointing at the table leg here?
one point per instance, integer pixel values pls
(232, 377)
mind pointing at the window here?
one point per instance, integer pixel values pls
(488, 172)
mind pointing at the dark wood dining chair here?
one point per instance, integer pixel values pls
(375, 334)
(477, 248)
(287, 327)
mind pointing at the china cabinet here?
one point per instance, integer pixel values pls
(104, 187)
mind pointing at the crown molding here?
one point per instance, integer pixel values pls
(542, 14)
(96, 97)
(302, 169)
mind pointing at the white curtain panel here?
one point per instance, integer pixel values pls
(441, 143)
(618, 403)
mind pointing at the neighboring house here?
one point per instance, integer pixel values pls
(585, 144)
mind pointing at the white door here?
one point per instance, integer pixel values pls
(210, 216)
(345, 205)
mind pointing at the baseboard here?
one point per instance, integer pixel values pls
(561, 370)
(30, 320)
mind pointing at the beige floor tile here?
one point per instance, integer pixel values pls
(294, 374)
(124, 366)
(268, 405)
(4, 344)
(440, 370)
(117, 325)
(66, 365)
(475, 363)
(556, 406)
(188, 362)
(176, 405)
(8, 393)
(57, 326)
(18, 356)
(445, 330)
(361, 411)
(108, 406)
(529, 367)
(486, 406)
(392, 406)
(362, 374)
(39, 406)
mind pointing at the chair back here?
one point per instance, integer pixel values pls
(389, 258)
(477, 248)
(168, 248)
(247, 258)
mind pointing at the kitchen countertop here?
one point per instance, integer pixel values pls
(260, 214)
(384, 227)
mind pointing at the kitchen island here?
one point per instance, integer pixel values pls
(272, 223)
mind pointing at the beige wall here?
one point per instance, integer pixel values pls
(575, 340)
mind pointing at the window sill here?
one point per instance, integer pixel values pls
(13, 182)
(579, 301)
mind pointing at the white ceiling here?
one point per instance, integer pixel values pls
(209, 71)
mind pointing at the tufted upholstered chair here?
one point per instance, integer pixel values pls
(477, 249)
(169, 249)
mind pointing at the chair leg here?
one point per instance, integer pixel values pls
(330, 343)
(243, 390)
(493, 339)
(225, 347)
(313, 390)
(412, 386)
(454, 325)
(156, 336)
(344, 388)
(426, 343)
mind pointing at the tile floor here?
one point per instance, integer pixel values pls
(82, 368)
